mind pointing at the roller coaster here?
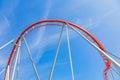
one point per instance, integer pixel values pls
(112, 66)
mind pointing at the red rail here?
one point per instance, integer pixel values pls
(107, 62)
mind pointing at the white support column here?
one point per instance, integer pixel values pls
(18, 66)
(6, 44)
(16, 60)
(8, 73)
(56, 54)
(96, 47)
(69, 53)
(30, 56)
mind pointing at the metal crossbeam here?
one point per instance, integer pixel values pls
(8, 73)
(30, 56)
(2, 71)
(103, 53)
(6, 44)
(18, 66)
(69, 52)
(56, 54)
(16, 60)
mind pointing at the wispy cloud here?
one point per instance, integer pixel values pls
(71, 6)
(95, 22)
(41, 33)
(2, 61)
(5, 12)
(4, 24)
(9, 7)
(47, 9)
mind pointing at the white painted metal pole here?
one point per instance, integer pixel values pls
(18, 66)
(56, 54)
(8, 73)
(16, 60)
(69, 53)
(6, 44)
(103, 53)
(30, 56)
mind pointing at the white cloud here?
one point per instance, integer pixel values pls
(41, 32)
(70, 6)
(91, 22)
(2, 61)
(4, 28)
(8, 8)
(6, 11)
(47, 9)
(4, 25)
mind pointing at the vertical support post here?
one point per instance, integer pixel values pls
(18, 67)
(69, 53)
(8, 73)
(56, 54)
(30, 56)
(16, 60)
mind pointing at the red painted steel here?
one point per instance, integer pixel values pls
(107, 62)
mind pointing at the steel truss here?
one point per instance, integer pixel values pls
(15, 53)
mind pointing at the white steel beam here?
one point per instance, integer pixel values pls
(69, 53)
(30, 56)
(8, 73)
(16, 60)
(103, 52)
(6, 44)
(56, 54)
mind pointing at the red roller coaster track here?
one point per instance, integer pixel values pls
(107, 62)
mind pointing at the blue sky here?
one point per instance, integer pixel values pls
(99, 17)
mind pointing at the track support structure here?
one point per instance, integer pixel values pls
(79, 30)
